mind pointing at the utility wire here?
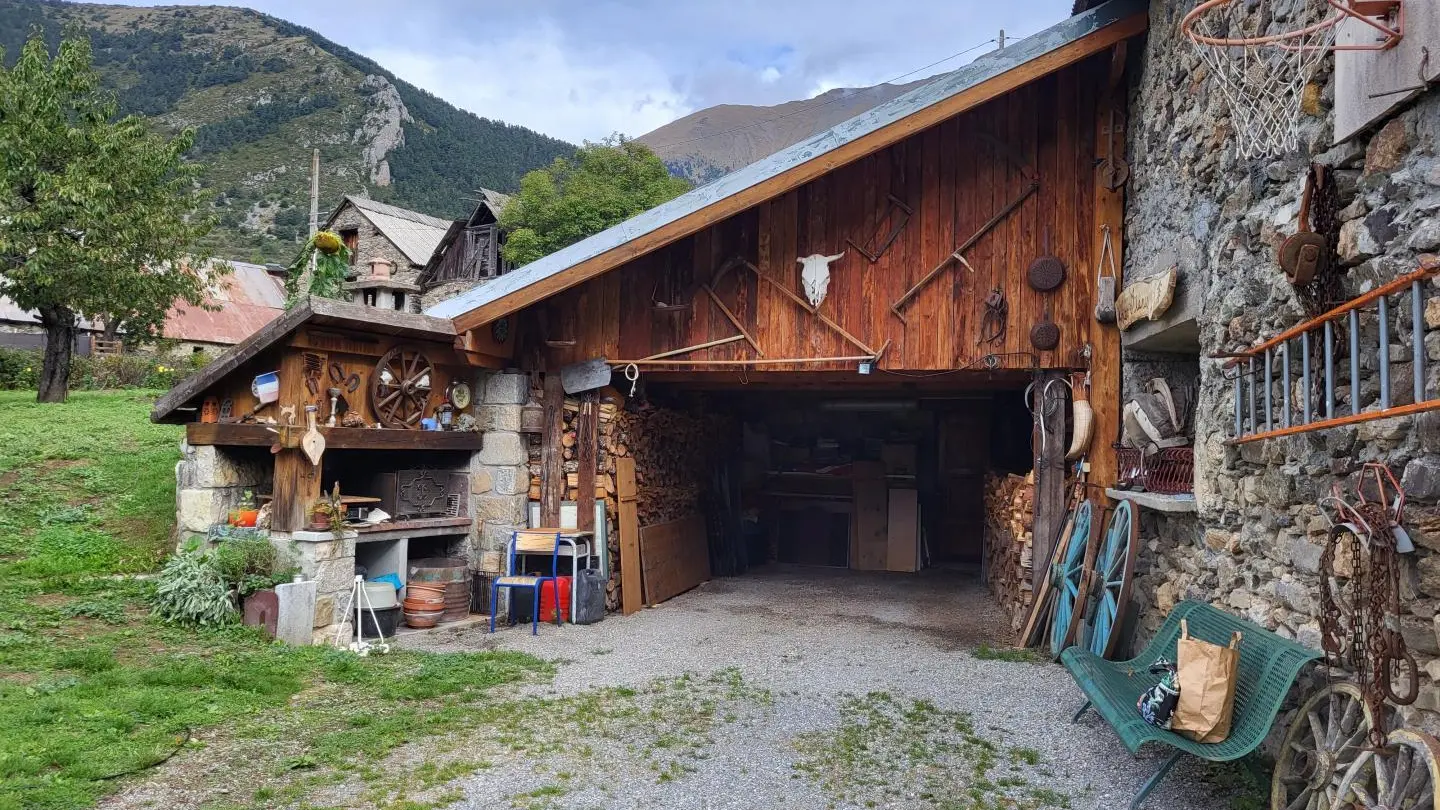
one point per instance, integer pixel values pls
(805, 109)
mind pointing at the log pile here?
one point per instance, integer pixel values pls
(669, 448)
(1009, 542)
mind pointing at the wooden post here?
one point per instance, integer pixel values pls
(297, 487)
(587, 429)
(1049, 449)
(631, 596)
(552, 469)
(1109, 210)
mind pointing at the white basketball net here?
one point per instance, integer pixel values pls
(1263, 85)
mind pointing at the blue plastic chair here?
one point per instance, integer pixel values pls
(535, 541)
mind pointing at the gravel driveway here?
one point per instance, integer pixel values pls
(812, 639)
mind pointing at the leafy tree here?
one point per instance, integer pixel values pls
(96, 212)
(604, 184)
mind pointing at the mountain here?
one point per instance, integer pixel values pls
(261, 93)
(717, 140)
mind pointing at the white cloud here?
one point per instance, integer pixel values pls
(770, 75)
(541, 79)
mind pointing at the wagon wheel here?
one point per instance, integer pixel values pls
(400, 387)
(1325, 739)
(1404, 775)
(1110, 588)
(1069, 582)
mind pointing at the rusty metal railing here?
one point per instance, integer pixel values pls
(1256, 417)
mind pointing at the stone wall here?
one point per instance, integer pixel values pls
(372, 244)
(1254, 547)
(210, 481)
(498, 473)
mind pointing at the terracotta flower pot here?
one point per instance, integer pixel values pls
(244, 518)
(428, 618)
(417, 590)
(423, 605)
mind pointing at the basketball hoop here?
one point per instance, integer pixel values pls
(1263, 67)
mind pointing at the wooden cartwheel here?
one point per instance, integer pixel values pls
(400, 387)
(1324, 741)
(1405, 774)
(1070, 576)
(1110, 581)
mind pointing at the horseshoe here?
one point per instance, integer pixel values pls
(353, 383)
(337, 373)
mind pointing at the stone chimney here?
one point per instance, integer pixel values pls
(380, 268)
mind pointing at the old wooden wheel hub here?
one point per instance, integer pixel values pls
(400, 388)
(1325, 740)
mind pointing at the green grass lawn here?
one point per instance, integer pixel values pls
(92, 689)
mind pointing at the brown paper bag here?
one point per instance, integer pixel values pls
(1206, 674)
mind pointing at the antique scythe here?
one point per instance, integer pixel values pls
(958, 255)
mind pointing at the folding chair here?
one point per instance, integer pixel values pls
(532, 541)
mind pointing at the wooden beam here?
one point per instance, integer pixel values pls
(1049, 450)
(734, 321)
(336, 438)
(296, 488)
(1105, 357)
(631, 588)
(587, 430)
(805, 305)
(552, 469)
(803, 173)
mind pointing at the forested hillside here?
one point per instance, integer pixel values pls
(262, 93)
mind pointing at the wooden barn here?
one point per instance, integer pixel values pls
(862, 352)
(862, 328)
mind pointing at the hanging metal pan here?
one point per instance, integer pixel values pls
(1045, 335)
(1047, 272)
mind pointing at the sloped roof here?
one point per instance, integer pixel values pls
(494, 201)
(497, 201)
(248, 299)
(987, 77)
(318, 311)
(414, 233)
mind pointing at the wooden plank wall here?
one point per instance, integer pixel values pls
(954, 178)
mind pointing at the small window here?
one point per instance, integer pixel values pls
(369, 298)
(400, 301)
(351, 238)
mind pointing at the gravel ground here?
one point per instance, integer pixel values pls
(811, 637)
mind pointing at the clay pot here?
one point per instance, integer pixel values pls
(419, 590)
(422, 618)
(244, 518)
(424, 605)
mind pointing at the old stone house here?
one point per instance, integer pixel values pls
(377, 232)
(469, 253)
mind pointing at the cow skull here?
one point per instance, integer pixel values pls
(815, 276)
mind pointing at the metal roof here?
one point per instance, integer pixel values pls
(978, 72)
(414, 233)
(249, 298)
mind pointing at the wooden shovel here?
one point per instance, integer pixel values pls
(312, 444)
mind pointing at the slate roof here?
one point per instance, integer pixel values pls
(414, 233)
(692, 205)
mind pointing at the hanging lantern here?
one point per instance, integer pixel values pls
(446, 414)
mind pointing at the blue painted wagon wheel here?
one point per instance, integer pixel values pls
(1110, 591)
(1068, 577)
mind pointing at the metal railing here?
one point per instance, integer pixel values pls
(1256, 416)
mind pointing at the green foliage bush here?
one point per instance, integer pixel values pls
(251, 564)
(20, 370)
(192, 591)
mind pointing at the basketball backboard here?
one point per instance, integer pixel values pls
(1371, 84)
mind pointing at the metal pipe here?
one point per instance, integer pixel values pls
(767, 361)
(1354, 362)
(1417, 341)
(1305, 378)
(1250, 387)
(1269, 388)
(1285, 383)
(1239, 428)
(1329, 370)
(1384, 352)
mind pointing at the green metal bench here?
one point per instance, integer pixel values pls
(1268, 666)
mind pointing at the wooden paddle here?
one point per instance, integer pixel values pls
(313, 444)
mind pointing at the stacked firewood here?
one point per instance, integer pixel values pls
(1009, 542)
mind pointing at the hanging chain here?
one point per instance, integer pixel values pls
(1324, 291)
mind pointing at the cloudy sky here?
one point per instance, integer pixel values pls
(581, 69)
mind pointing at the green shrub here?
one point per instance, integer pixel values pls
(250, 564)
(193, 592)
(20, 370)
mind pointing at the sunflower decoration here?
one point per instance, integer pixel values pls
(332, 263)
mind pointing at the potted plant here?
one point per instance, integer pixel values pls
(246, 513)
(328, 513)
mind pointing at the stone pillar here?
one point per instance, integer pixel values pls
(330, 561)
(384, 299)
(209, 483)
(499, 476)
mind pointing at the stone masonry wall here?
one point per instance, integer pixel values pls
(209, 482)
(371, 244)
(1254, 547)
(498, 474)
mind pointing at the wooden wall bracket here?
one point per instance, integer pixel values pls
(901, 220)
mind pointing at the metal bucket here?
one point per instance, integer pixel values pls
(450, 572)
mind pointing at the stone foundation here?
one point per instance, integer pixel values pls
(210, 481)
